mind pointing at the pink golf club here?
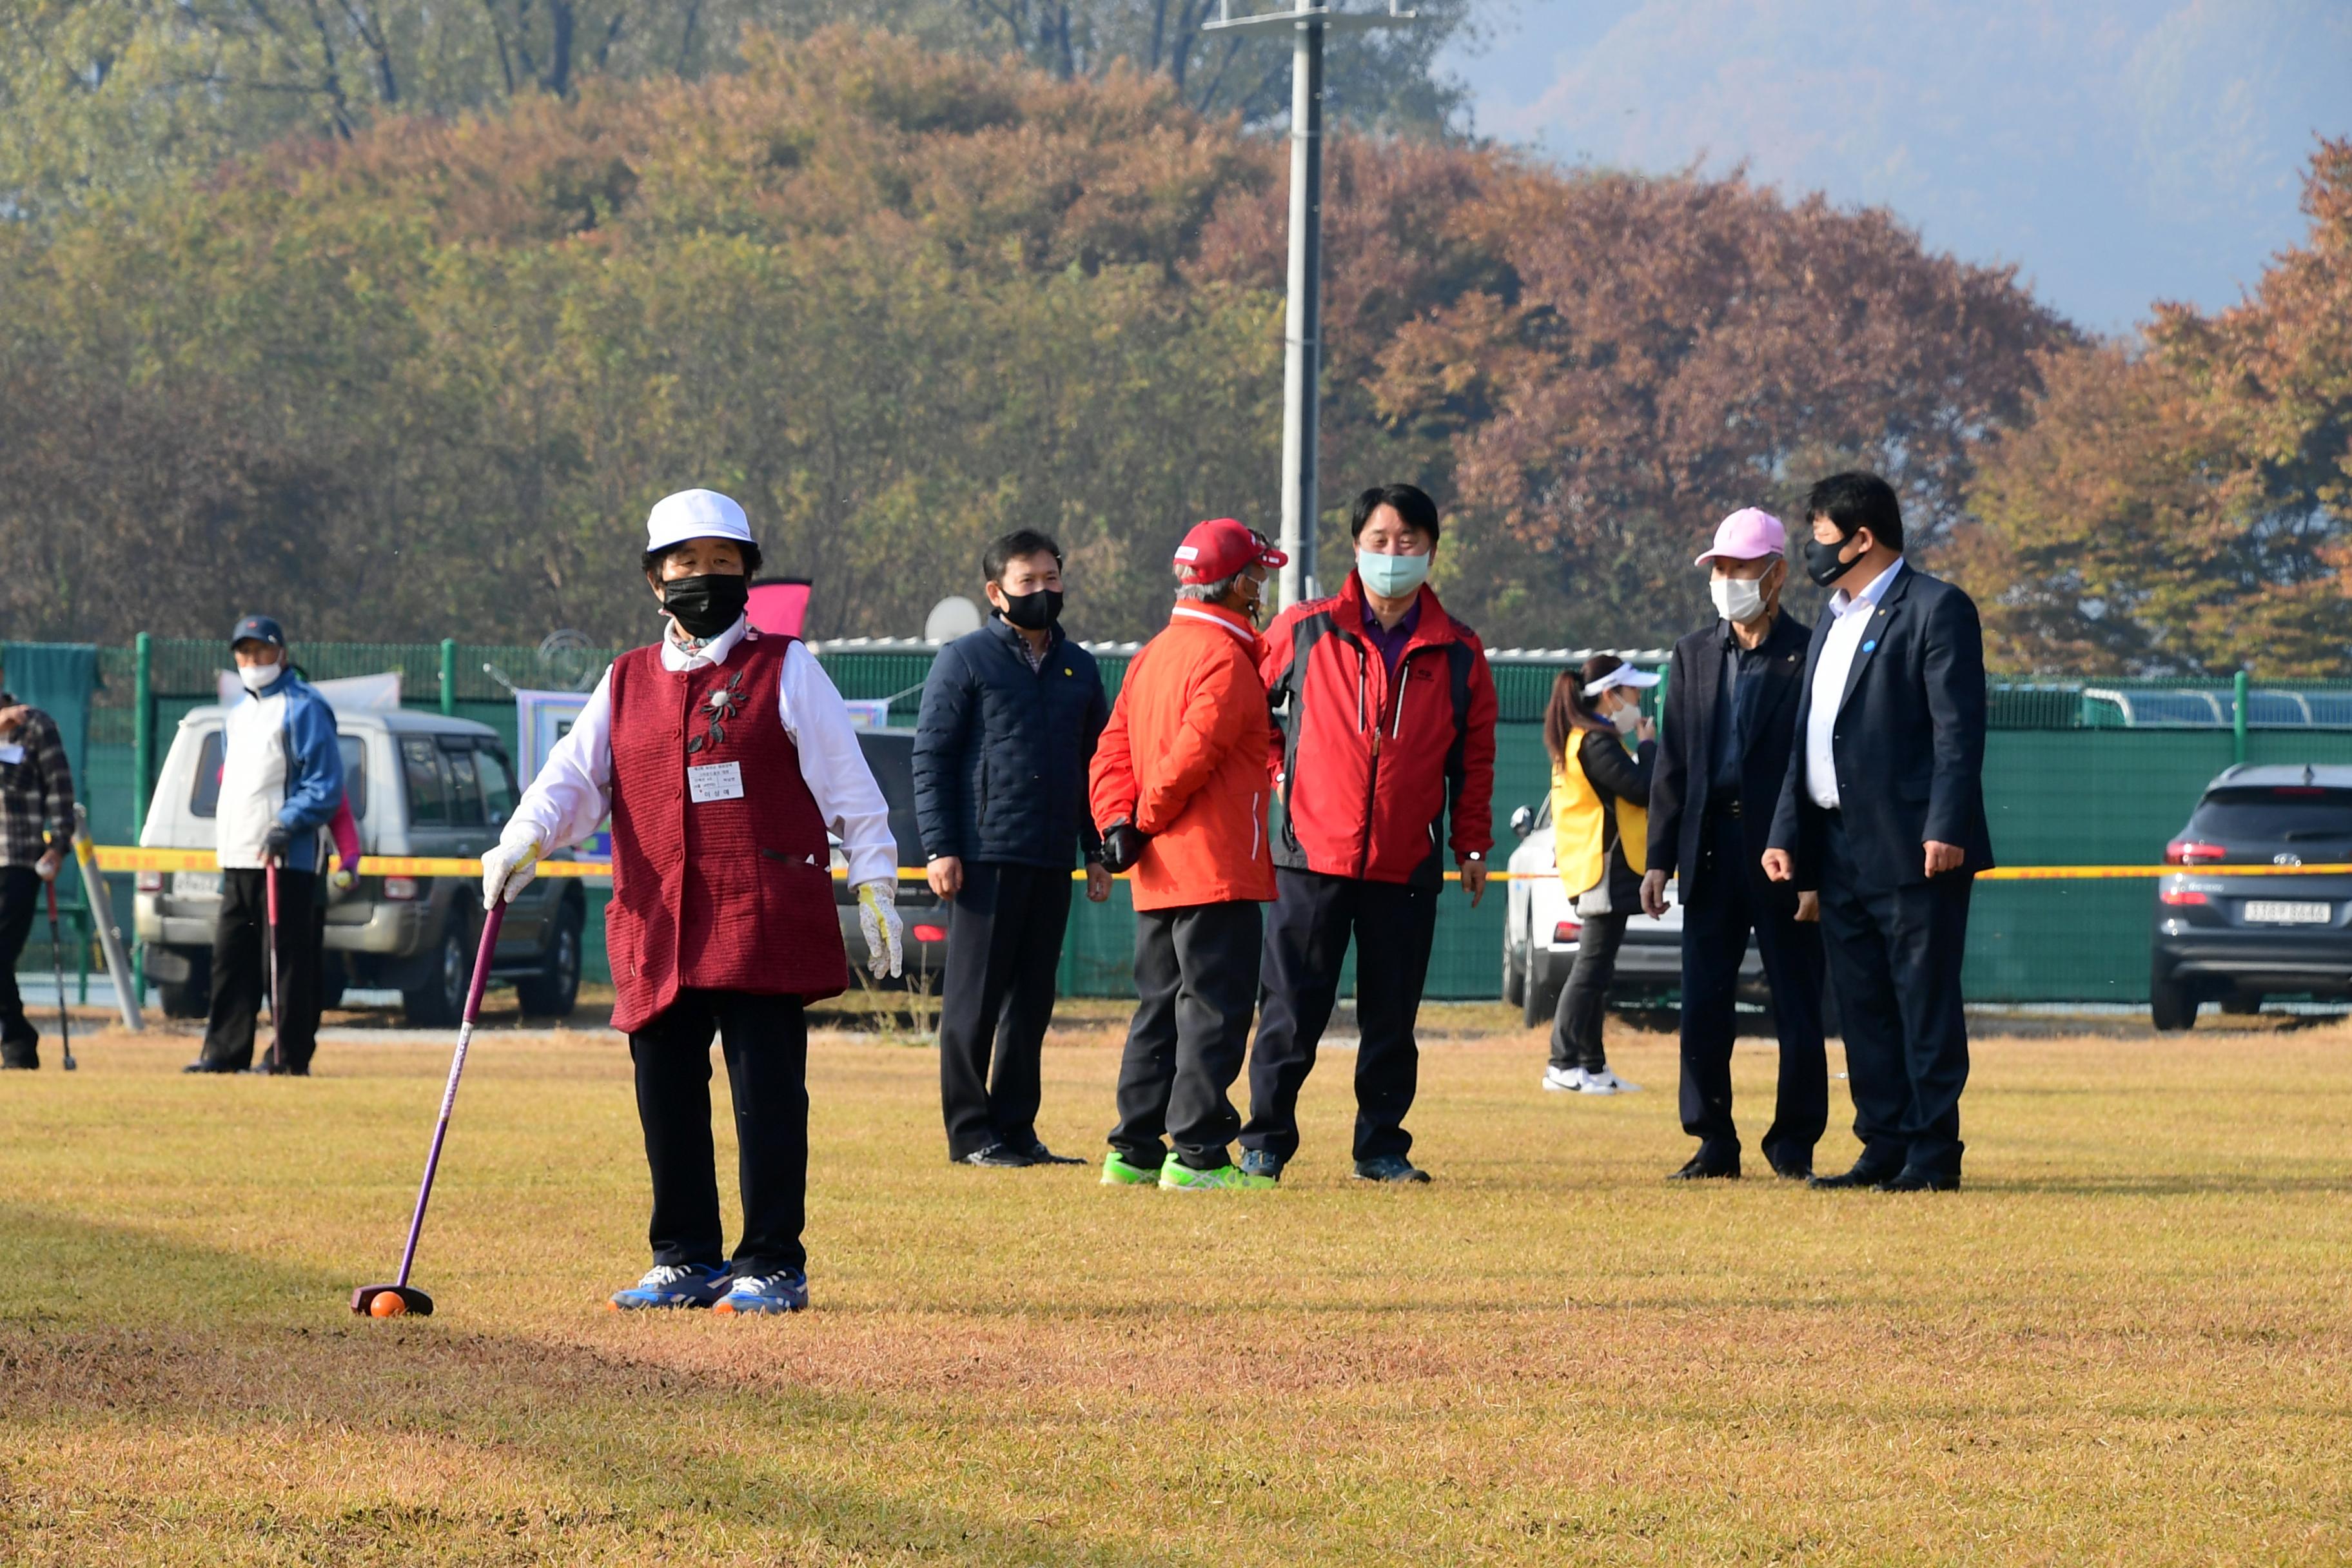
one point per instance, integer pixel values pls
(413, 1299)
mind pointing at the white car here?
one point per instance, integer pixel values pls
(419, 784)
(1541, 931)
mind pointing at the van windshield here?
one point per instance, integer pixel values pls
(203, 793)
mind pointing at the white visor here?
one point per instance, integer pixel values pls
(1623, 675)
(695, 514)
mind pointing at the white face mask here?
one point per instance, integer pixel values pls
(1627, 718)
(1739, 599)
(257, 677)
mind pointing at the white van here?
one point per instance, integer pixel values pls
(418, 783)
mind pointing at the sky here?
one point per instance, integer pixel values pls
(2115, 153)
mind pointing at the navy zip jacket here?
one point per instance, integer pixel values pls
(1002, 750)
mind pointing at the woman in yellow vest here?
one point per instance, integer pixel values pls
(1599, 831)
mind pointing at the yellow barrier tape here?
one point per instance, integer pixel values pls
(129, 857)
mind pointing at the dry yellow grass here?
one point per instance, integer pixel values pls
(2126, 1341)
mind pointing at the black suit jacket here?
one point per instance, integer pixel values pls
(1678, 793)
(1909, 741)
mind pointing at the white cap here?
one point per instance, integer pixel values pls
(695, 514)
(1623, 675)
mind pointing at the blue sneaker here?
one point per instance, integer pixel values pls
(1261, 1162)
(786, 1291)
(672, 1285)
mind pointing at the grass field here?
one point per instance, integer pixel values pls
(2129, 1340)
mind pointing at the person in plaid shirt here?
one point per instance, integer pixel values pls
(36, 821)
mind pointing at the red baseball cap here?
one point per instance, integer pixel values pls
(1222, 547)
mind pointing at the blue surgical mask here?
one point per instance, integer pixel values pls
(1392, 576)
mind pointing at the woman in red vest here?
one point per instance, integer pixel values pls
(722, 757)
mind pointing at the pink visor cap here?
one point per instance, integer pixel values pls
(1747, 534)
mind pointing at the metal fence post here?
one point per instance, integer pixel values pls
(142, 767)
(450, 676)
(2238, 715)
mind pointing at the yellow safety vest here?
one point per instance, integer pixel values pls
(1579, 826)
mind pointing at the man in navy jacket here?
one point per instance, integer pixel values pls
(282, 779)
(1011, 714)
(1883, 809)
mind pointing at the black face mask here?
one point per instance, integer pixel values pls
(1034, 612)
(705, 606)
(1821, 563)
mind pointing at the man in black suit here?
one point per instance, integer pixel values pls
(1883, 809)
(1731, 718)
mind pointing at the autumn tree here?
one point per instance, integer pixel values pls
(2187, 508)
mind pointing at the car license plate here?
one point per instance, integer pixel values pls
(2269, 911)
(196, 884)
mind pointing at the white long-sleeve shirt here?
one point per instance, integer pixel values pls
(1851, 615)
(573, 792)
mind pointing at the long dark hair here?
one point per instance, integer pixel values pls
(1570, 709)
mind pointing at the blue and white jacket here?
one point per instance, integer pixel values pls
(279, 763)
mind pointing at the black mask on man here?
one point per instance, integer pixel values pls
(1821, 563)
(705, 606)
(1034, 612)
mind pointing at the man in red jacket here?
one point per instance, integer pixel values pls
(1390, 726)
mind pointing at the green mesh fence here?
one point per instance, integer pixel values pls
(2090, 771)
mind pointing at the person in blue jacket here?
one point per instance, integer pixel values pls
(282, 779)
(1011, 714)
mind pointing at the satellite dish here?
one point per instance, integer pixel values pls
(951, 618)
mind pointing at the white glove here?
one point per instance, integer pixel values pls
(885, 933)
(508, 869)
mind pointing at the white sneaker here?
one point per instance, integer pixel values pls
(1563, 1080)
(1606, 1082)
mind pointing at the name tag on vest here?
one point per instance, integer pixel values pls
(715, 781)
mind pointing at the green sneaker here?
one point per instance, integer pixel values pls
(1118, 1173)
(1177, 1177)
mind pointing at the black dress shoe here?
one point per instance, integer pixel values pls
(1864, 1174)
(1702, 1169)
(997, 1157)
(278, 1069)
(1040, 1155)
(201, 1065)
(1789, 1170)
(1911, 1179)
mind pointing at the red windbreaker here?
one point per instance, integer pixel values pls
(1365, 766)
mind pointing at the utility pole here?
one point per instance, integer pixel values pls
(1302, 359)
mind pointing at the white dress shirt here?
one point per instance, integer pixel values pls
(1850, 618)
(573, 792)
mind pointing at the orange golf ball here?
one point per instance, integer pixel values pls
(387, 1304)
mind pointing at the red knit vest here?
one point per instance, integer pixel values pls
(721, 895)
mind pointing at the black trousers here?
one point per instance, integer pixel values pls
(1729, 898)
(1005, 944)
(1584, 1000)
(20, 898)
(1298, 980)
(765, 1042)
(241, 979)
(1195, 979)
(1894, 956)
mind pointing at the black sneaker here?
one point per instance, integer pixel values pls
(1389, 1168)
(1039, 1154)
(278, 1069)
(202, 1065)
(997, 1157)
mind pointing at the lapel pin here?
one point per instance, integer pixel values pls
(1871, 644)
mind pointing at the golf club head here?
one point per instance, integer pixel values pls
(71, 1065)
(418, 1303)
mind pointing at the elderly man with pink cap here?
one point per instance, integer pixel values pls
(1731, 721)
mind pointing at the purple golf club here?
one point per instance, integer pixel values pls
(414, 1300)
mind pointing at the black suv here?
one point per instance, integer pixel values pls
(2236, 939)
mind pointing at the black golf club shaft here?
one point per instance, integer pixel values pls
(57, 967)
